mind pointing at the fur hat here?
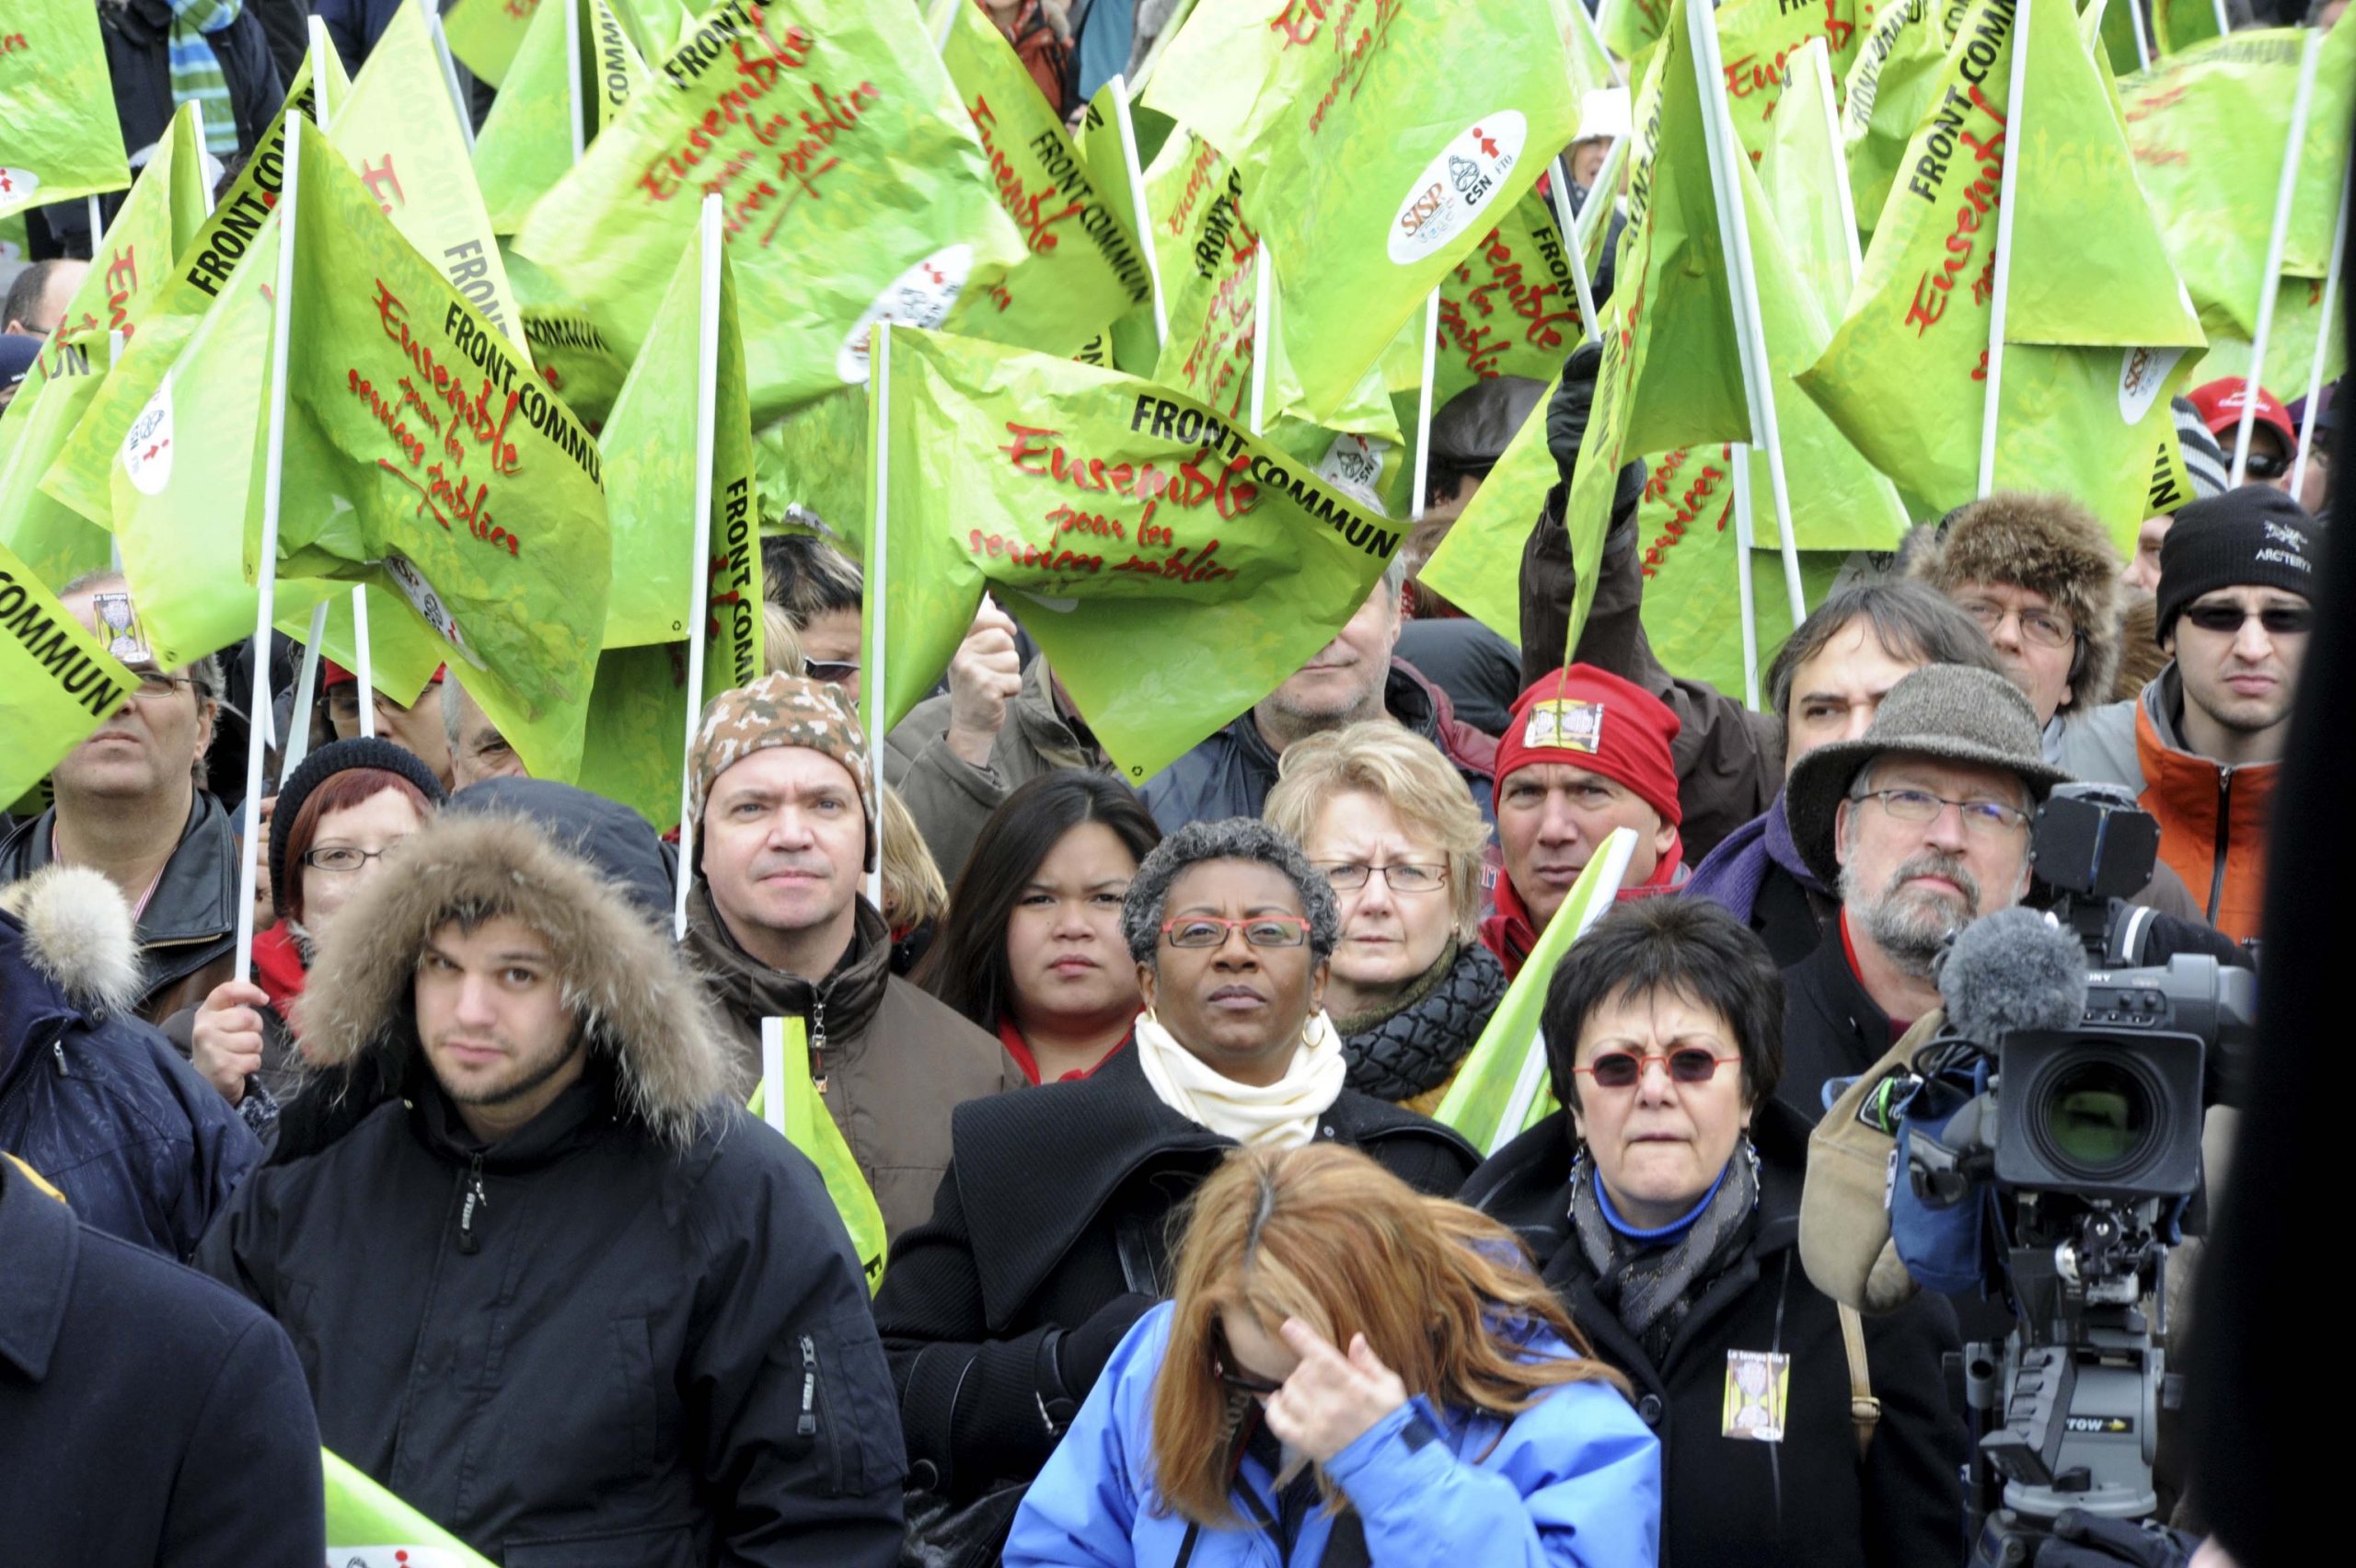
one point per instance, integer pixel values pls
(2048, 544)
(624, 981)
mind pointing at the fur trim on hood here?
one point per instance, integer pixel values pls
(623, 978)
(80, 936)
(2048, 544)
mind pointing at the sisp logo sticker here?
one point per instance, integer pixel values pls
(2142, 374)
(918, 297)
(148, 446)
(1463, 177)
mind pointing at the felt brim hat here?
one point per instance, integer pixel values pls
(1949, 712)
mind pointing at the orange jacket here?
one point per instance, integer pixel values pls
(2212, 823)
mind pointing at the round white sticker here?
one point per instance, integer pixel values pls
(918, 297)
(15, 184)
(2142, 374)
(1462, 179)
(147, 447)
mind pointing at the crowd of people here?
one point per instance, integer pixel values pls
(457, 1179)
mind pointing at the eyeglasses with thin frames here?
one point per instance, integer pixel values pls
(1400, 876)
(1259, 931)
(1921, 805)
(342, 860)
(2044, 627)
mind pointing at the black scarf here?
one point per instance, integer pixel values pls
(1414, 1048)
(1651, 1287)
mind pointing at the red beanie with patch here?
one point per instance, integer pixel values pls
(1593, 719)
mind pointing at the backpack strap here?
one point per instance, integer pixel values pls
(1865, 1410)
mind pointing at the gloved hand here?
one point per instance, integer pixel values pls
(1573, 400)
(2081, 1539)
(1081, 1353)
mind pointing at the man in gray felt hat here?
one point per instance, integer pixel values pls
(1923, 825)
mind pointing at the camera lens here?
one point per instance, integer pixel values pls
(2097, 1117)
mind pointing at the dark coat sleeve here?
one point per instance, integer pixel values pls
(970, 1405)
(249, 1490)
(1730, 760)
(222, 1152)
(1913, 1471)
(787, 1383)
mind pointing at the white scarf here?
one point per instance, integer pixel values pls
(1281, 1115)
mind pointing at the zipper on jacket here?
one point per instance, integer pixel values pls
(2224, 837)
(468, 1242)
(808, 1426)
(817, 1046)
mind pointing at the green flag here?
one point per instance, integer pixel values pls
(197, 273)
(810, 1127)
(1889, 90)
(1804, 174)
(1084, 265)
(370, 1528)
(486, 34)
(1175, 568)
(525, 144)
(1433, 150)
(423, 454)
(2178, 25)
(1758, 41)
(1904, 374)
(61, 683)
(1631, 27)
(814, 470)
(572, 355)
(2323, 160)
(855, 187)
(59, 137)
(1508, 309)
(638, 717)
(1511, 1052)
(135, 256)
(1478, 565)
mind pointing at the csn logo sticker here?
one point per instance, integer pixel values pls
(147, 449)
(1448, 195)
(918, 297)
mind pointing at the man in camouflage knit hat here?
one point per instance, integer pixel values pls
(785, 824)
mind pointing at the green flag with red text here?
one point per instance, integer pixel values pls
(59, 137)
(1885, 96)
(1175, 568)
(856, 190)
(486, 34)
(1374, 148)
(1478, 565)
(1759, 39)
(1083, 265)
(370, 1528)
(525, 143)
(423, 454)
(62, 683)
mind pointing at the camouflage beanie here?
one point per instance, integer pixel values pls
(780, 709)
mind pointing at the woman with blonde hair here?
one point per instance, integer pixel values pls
(1388, 823)
(1353, 1373)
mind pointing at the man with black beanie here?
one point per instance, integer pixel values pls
(2202, 743)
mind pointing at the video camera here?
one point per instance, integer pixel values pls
(2051, 1145)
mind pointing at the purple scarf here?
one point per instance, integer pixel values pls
(1732, 874)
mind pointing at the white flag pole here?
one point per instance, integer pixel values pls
(1568, 225)
(2286, 191)
(97, 229)
(1264, 289)
(2224, 23)
(1607, 185)
(1821, 62)
(266, 581)
(1741, 457)
(1423, 408)
(450, 77)
(2137, 22)
(708, 240)
(878, 627)
(2008, 186)
(573, 76)
(364, 667)
(1138, 204)
(1750, 332)
(2322, 339)
(773, 1073)
(307, 689)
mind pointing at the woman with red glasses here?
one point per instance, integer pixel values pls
(1049, 1239)
(1663, 1204)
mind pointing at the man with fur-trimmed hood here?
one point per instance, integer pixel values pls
(553, 1285)
(2041, 575)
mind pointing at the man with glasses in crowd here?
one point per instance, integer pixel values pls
(2200, 745)
(1923, 825)
(127, 805)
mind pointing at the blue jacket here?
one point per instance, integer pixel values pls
(1573, 1480)
(95, 1101)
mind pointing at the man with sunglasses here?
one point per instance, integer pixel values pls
(127, 804)
(2201, 744)
(2273, 439)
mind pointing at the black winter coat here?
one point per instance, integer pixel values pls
(581, 1365)
(1052, 1224)
(95, 1101)
(146, 1414)
(138, 40)
(1806, 1501)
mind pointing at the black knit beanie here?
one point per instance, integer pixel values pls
(2252, 538)
(339, 757)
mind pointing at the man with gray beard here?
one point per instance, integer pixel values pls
(1923, 825)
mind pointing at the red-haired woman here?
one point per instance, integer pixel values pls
(336, 815)
(1351, 1373)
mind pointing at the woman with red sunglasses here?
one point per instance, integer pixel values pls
(1662, 1204)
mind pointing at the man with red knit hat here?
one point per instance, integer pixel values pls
(1584, 752)
(2273, 439)
(416, 730)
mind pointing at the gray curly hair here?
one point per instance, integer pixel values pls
(1233, 838)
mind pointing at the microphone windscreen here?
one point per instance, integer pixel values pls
(2010, 970)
